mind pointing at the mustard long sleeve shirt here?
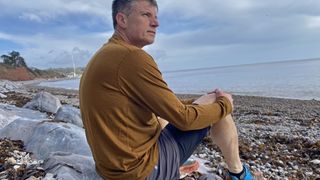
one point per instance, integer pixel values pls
(121, 94)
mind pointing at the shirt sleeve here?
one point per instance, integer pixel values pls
(140, 79)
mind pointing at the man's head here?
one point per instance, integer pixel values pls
(125, 6)
(135, 20)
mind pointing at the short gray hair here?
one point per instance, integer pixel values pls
(125, 6)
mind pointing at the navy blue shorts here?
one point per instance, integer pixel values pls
(175, 147)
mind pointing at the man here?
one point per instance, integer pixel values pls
(124, 101)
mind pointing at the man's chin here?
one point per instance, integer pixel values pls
(149, 42)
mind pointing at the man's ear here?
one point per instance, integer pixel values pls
(121, 20)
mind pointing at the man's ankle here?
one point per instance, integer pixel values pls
(238, 168)
(238, 174)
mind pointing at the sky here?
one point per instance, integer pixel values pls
(192, 34)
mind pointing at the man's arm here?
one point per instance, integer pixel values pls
(140, 80)
(204, 99)
(212, 97)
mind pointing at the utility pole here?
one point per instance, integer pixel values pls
(74, 65)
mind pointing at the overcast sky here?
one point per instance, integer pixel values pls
(192, 34)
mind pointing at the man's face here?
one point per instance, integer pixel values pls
(141, 24)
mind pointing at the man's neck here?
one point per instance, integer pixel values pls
(123, 36)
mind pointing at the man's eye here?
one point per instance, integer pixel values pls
(146, 14)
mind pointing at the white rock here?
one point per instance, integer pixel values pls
(268, 165)
(21, 129)
(277, 178)
(71, 166)
(309, 173)
(44, 101)
(202, 156)
(280, 162)
(69, 114)
(46, 137)
(11, 160)
(2, 95)
(315, 161)
(49, 176)
(9, 113)
(16, 167)
(8, 86)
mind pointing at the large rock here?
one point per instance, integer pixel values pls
(20, 129)
(51, 137)
(68, 166)
(45, 137)
(69, 114)
(8, 86)
(9, 113)
(44, 101)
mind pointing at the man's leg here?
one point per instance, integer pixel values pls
(163, 123)
(187, 141)
(224, 134)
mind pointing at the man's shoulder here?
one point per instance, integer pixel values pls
(127, 50)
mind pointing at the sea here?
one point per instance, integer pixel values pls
(298, 79)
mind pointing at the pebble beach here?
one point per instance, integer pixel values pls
(278, 137)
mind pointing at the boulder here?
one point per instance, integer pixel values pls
(51, 137)
(9, 113)
(44, 101)
(19, 129)
(45, 137)
(69, 114)
(69, 166)
(8, 86)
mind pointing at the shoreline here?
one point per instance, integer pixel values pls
(35, 85)
(55, 90)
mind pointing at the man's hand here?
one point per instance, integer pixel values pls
(219, 93)
(206, 99)
(211, 97)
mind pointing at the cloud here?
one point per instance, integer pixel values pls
(55, 7)
(64, 58)
(44, 51)
(256, 32)
(313, 22)
(31, 17)
(208, 32)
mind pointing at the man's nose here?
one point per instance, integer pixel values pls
(155, 22)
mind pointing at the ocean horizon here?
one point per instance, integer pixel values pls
(287, 79)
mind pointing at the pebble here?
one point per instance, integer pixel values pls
(16, 167)
(296, 167)
(20, 162)
(11, 160)
(315, 161)
(309, 173)
(268, 165)
(2, 95)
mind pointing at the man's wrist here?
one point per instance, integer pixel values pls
(227, 103)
